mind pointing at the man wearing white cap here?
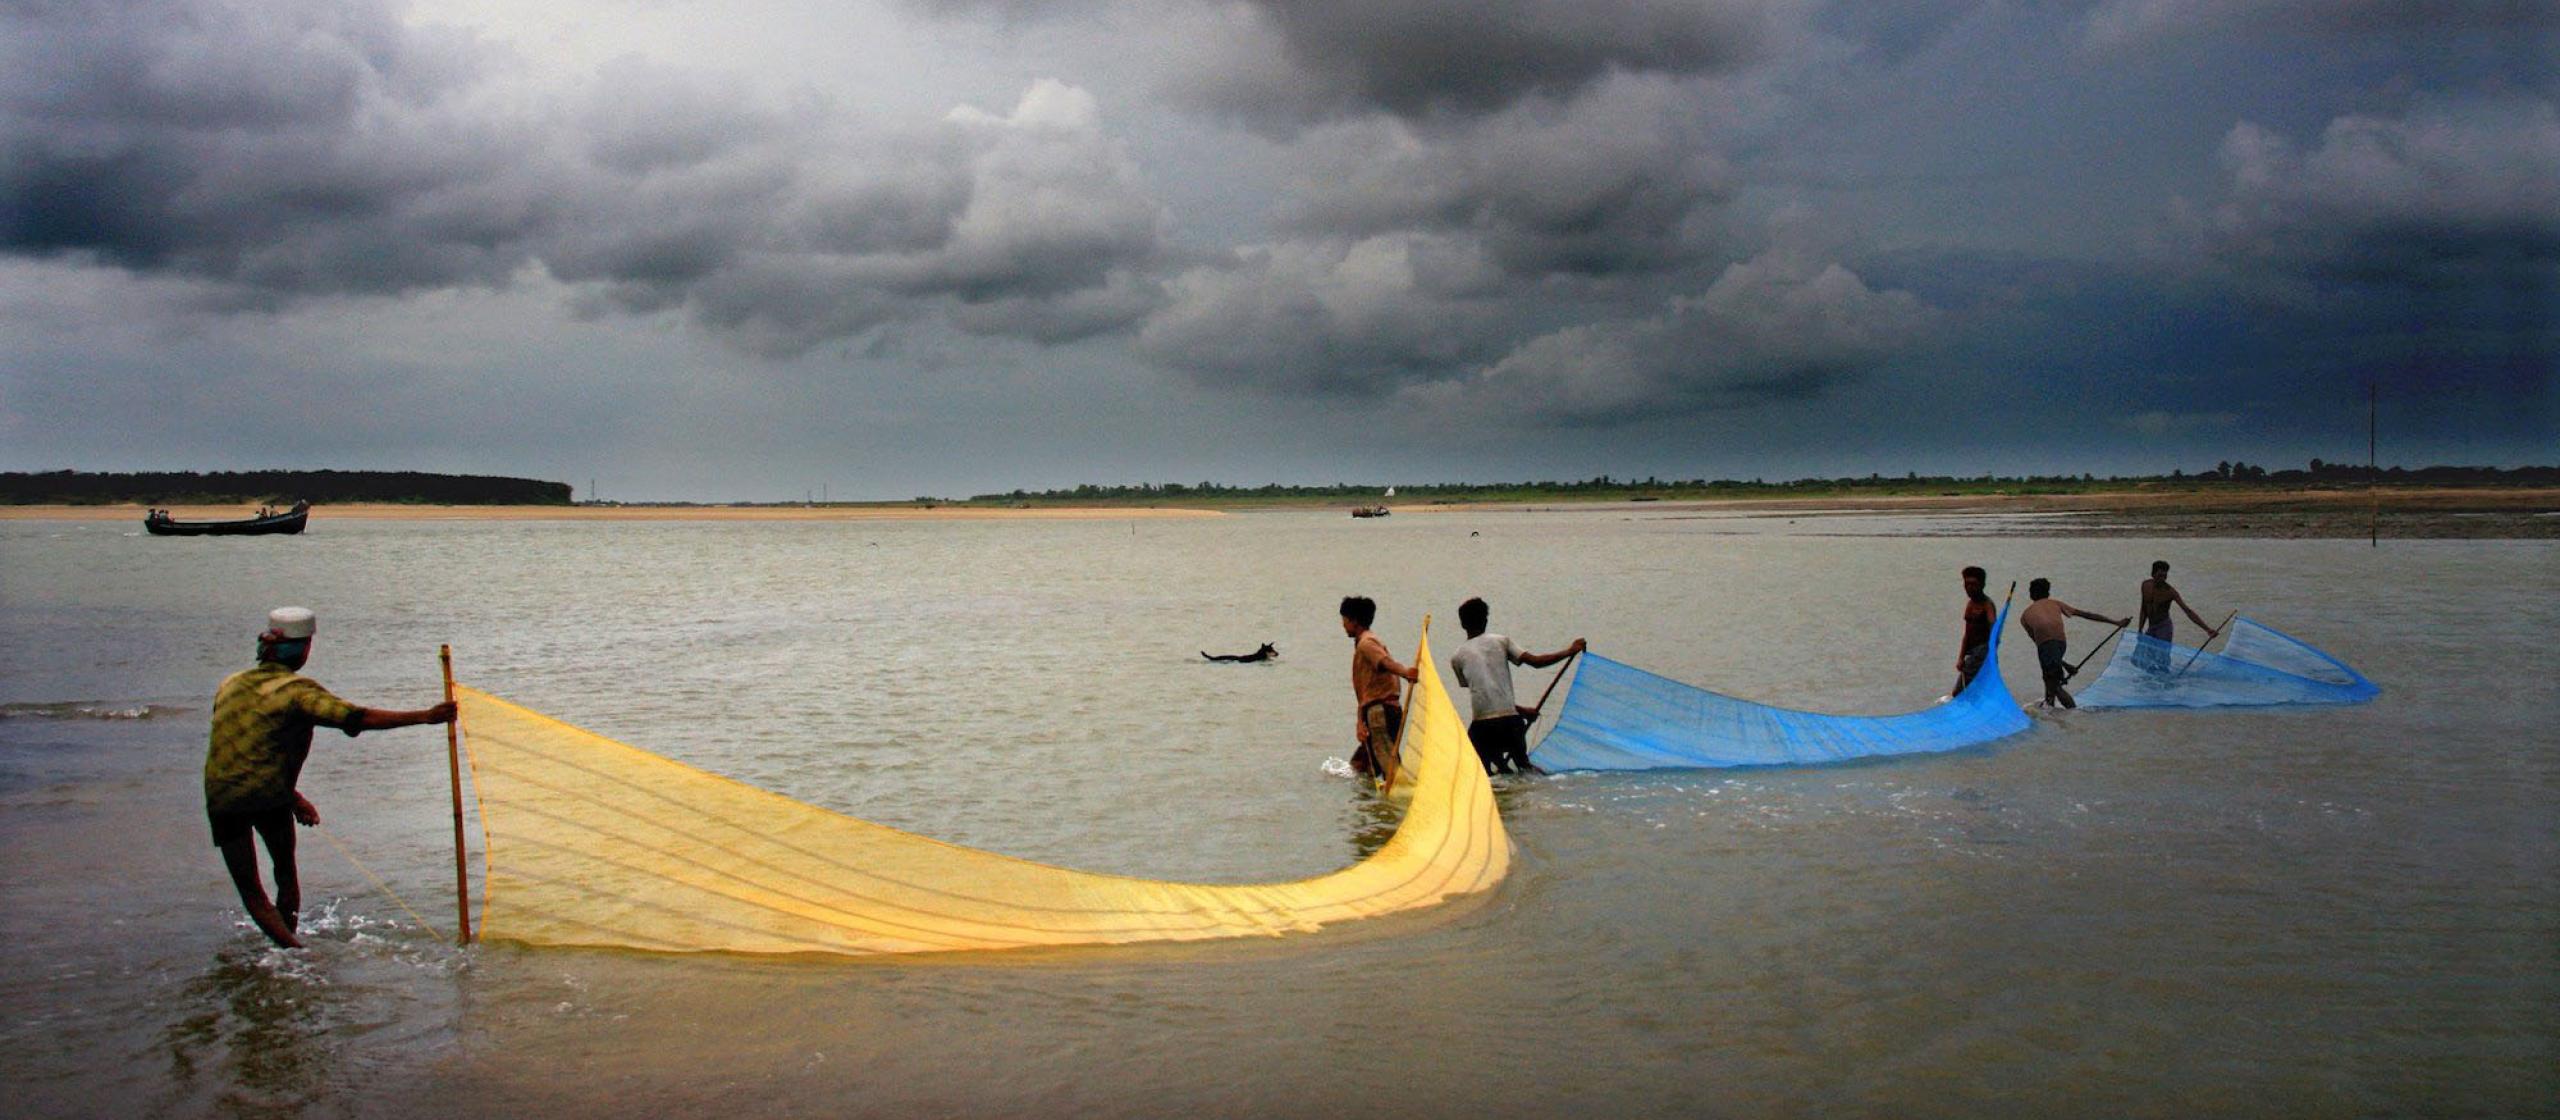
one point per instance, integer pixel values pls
(262, 721)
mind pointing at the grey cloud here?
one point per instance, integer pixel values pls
(1292, 61)
(1118, 301)
(215, 145)
(2450, 196)
(642, 117)
(2132, 24)
(1350, 317)
(1778, 327)
(303, 150)
(2157, 424)
(1607, 182)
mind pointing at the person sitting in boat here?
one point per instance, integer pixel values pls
(1377, 702)
(2043, 621)
(262, 721)
(1499, 725)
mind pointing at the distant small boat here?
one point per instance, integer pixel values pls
(1368, 511)
(286, 522)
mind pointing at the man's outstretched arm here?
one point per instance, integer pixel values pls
(384, 719)
(1542, 660)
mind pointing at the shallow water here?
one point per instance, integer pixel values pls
(2347, 911)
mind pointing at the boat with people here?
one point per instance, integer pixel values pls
(269, 520)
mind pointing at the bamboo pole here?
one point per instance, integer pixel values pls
(453, 767)
(1391, 763)
(2073, 669)
(2217, 632)
(1541, 705)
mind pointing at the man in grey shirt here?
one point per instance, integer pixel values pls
(1500, 726)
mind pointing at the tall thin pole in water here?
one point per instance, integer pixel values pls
(2372, 461)
(453, 766)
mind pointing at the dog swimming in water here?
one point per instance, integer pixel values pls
(1266, 653)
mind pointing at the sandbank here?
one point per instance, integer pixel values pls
(386, 511)
(2502, 513)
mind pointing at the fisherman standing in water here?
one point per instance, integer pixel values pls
(1499, 727)
(2156, 597)
(2043, 621)
(1374, 673)
(1979, 616)
(262, 721)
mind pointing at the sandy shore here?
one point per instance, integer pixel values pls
(2412, 513)
(392, 512)
(2476, 513)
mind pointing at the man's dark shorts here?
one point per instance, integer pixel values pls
(1499, 741)
(2049, 655)
(1386, 721)
(238, 826)
(1970, 665)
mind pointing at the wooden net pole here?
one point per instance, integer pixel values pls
(2217, 632)
(453, 767)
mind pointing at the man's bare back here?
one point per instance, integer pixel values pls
(2043, 618)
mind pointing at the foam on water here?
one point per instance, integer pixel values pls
(90, 709)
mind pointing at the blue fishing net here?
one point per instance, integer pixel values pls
(1618, 717)
(2259, 667)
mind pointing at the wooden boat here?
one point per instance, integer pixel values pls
(287, 522)
(1369, 511)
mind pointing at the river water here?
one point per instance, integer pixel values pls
(2302, 912)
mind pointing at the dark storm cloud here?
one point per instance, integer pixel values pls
(215, 143)
(2452, 196)
(2133, 23)
(2418, 251)
(1349, 317)
(1280, 65)
(1603, 183)
(1434, 319)
(298, 150)
(1302, 60)
(1778, 327)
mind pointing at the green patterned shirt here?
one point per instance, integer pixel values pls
(262, 721)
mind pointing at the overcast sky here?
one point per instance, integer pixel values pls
(750, 249)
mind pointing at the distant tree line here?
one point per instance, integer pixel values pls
(171, 488)
(2226, 472)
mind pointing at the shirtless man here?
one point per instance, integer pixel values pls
(1979, 614)
(1377, 703)
(2043, 621)
(2156, 597)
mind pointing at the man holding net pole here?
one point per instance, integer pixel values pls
(1376, 699)
(262, 722)
(2157, 596)
(1499, 727)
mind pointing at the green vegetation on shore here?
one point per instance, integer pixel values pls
(2223, 476)
(178, 488)
(323, 487)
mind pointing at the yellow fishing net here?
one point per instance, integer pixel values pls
(591, 842)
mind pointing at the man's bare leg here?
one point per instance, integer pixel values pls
(240, 857)
(278, 834)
